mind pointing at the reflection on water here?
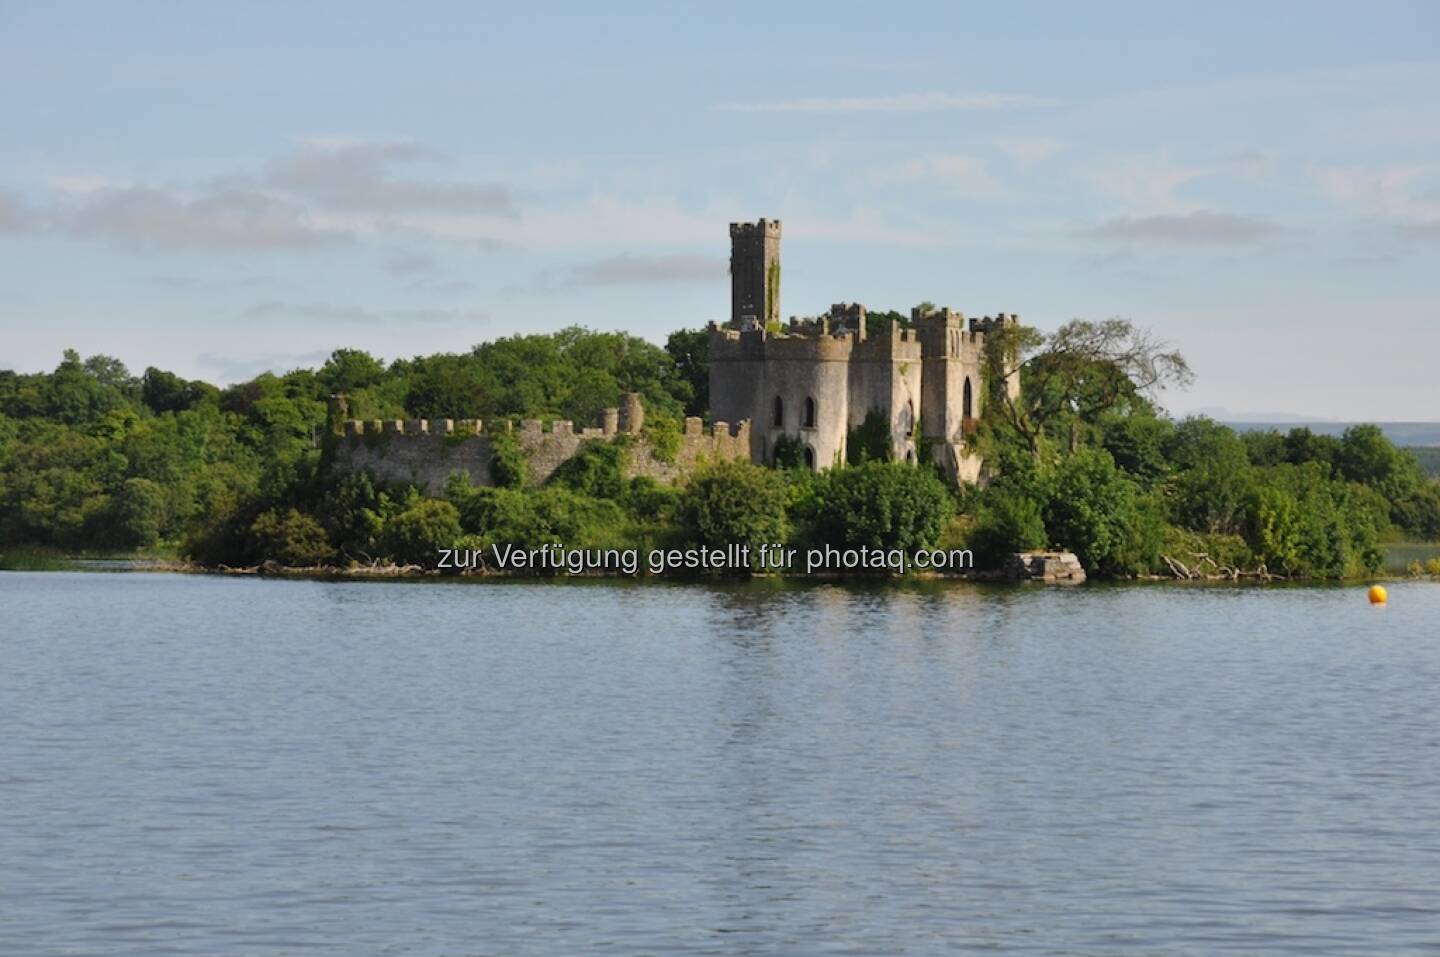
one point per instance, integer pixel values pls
(219, 766)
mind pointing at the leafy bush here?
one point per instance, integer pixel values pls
(139, 513)
(647, 499)
(664, 437)
(788, 453)
(735, 502)
(1302, 523)
(596, 469)
(1007, 521)
(882, 505)
(507, 463)
(289, 537)
(1098, 513)
(870, 440)
(416, 535)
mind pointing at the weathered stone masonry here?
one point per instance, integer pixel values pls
(426, 452)
(813, 381)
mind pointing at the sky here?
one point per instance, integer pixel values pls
(221, 189)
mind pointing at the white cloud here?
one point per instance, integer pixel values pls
(629, 269)
(233, 220)
(408, 263)
(82, 183)
(229, 369)
(600, 221)
(1149, 183)
(15, 215)
(932, 102)
(1028, 149)
(442, 287)
(1402, 193)
(1201, 227)
(332, 312)
(325, 193)
(357, 176)
(961, 174)
(192, 283)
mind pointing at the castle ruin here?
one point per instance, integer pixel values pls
(815, 381)
(426, 452)
(811, 382)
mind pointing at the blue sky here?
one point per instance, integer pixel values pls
(219, 190)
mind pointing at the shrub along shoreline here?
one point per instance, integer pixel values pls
(95, 459)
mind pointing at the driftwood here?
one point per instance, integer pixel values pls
(1218, 572)
(373, 570)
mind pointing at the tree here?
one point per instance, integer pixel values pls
(882, 505)
(139, 513)
(350, 370)
(1077, 373)
(163, 391)
(733, 502)
(1098, 513)
(878, 323)
(1368, 457)
(689, 349)
(1008, 520)
(1137, 443)
(596, 469)
(289, 537)
(1214, 476)
(76, 396)
(416, 535)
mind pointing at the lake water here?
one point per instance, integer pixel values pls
(202, 765)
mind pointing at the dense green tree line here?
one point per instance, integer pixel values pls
(1084, 460)
(93, 458)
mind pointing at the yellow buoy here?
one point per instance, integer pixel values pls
(1378, 595)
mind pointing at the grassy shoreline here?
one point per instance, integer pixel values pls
(1398, 558)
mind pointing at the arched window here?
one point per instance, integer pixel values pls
(910, 456)
(966, 408)
(910, 417)
(809, 458)
(779, 418)
(809, 422)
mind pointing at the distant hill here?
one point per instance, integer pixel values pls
(1429, 460)
(1417, 434)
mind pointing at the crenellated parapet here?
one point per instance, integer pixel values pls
(426, 452)
(813, 343)
(895, 344)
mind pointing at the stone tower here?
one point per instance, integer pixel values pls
(754, 273)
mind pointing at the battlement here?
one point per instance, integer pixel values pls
(427, 451)
(628, 418)
(991, 323)
(762, 228)
(896, 345)
(813, 343)
(848, 317)
(944, 316)
(695, 428)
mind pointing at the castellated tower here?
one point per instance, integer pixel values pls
(954, 385)
(754, 273)
(812, 385)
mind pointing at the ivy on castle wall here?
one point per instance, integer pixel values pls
(772, 292)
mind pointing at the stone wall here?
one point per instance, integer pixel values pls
(755, 273)
(427, 452)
